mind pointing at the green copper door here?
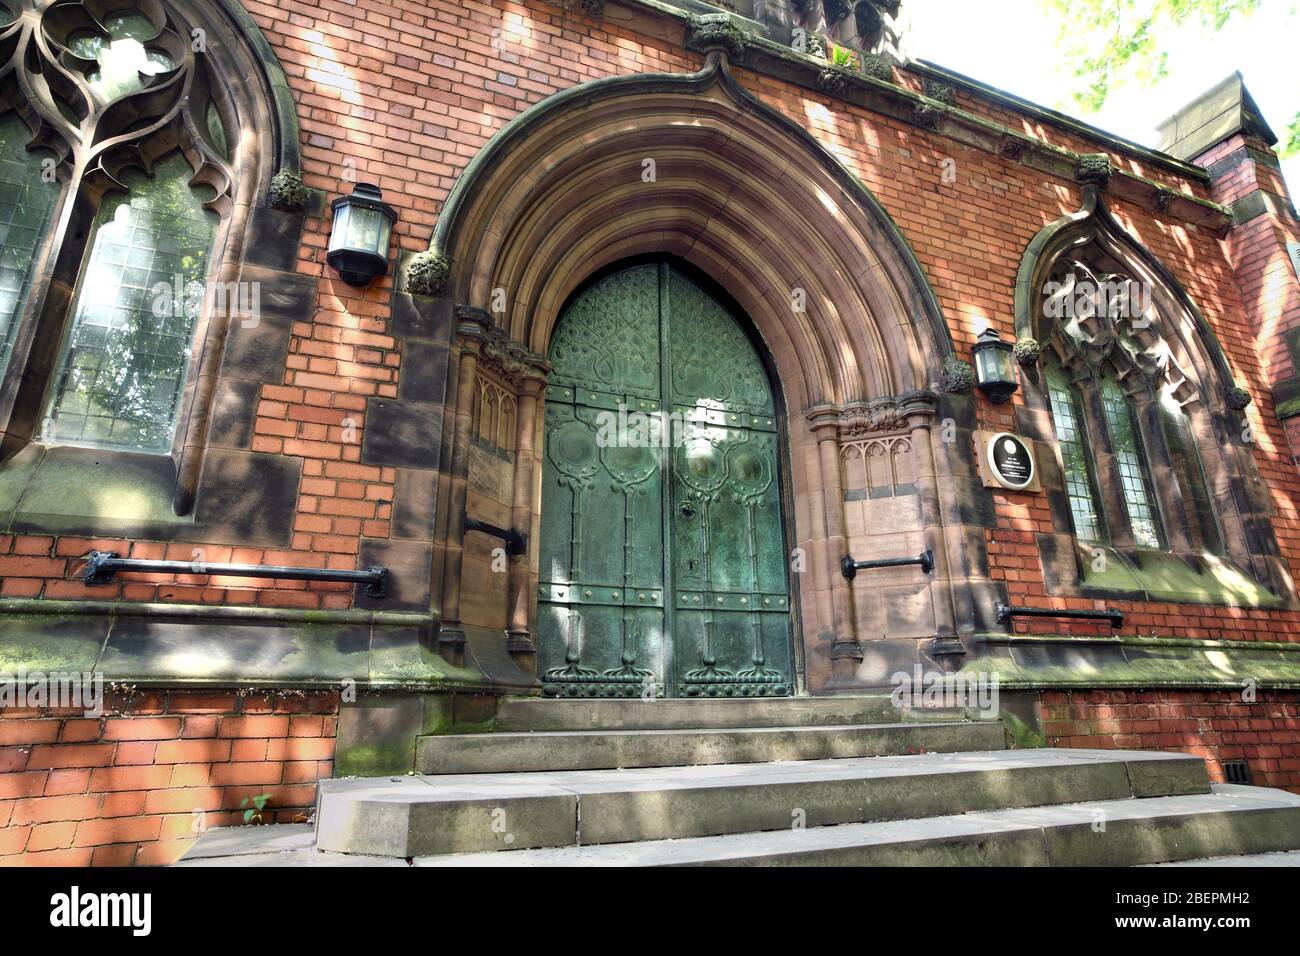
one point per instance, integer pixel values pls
(662, 566)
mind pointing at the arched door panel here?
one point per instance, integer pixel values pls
(662, 551)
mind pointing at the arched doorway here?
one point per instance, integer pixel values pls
(662, 551)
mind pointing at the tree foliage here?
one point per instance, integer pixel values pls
(1110, 42)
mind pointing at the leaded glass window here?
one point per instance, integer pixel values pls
(27, 195)
(1072, 437)
(1131, 462)
(124, 360)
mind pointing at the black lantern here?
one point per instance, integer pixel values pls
(995, 371)
(363, 225)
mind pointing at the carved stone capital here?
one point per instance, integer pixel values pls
(825, 421)
(500, 355)
(1026, 352)
(957, 375)
(717, 31)
(428, 272)
(1093, 169)
(942, 92)
(883, 415)
(1236, 397)
(288, 192)
(833, 82)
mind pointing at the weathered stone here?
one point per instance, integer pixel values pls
(1093, 169)
(957, 375)
(1027, 352)
(427, 273)
(288, 192)
(1236, 397)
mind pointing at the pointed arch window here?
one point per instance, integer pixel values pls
(1132, 464)
(27, 197)
(1071, 434)
(1159, 493)
(134, 141)
(124, 360)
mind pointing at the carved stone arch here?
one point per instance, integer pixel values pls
(740, 191)
(1170, 353)
(221, 61)
(695, 168)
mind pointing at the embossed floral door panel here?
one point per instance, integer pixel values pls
(662, 553)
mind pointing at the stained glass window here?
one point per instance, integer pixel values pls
(27, 196)
(1072, 437)
(124, 360)
(1130, 459)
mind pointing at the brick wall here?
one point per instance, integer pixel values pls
(405, 95)
(131, 787)
(1214, 725)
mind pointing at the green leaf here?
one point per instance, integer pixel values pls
(1108, 43)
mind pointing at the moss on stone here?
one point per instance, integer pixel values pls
(1020, 733)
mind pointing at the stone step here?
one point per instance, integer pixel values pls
(601, 749)
(1103, 833)
(1258, 827)
(534, 714)
(429, 815)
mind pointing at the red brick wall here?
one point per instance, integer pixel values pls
(405, 94)
(132, 786)
(1210, 724)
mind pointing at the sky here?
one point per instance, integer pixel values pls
(999, 49)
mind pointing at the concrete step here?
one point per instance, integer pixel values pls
(1102, 833)
(1260, 826)
(1283, 858)
(600, 749)
(534, 714)
(429, 815)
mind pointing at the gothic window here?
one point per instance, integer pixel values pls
(1158, 494)
(27, 196)
(1112, 383)
(1068, 419)
(124, 360)
(1131, 463)
(122, 184)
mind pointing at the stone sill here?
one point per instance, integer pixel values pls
(1028, 661)
(195, 646)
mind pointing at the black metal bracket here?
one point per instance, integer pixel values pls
(516, 541)
(1006, 612)
(101, 566)
(850, 568)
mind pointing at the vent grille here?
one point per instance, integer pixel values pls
(1237, 771)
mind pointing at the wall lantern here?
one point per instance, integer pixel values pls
(995, 371)
(363, 225)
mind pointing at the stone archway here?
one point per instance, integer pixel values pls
(693, 166)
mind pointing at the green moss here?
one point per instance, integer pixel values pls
(375, 760)
(1020, 733)
(1289, 408)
